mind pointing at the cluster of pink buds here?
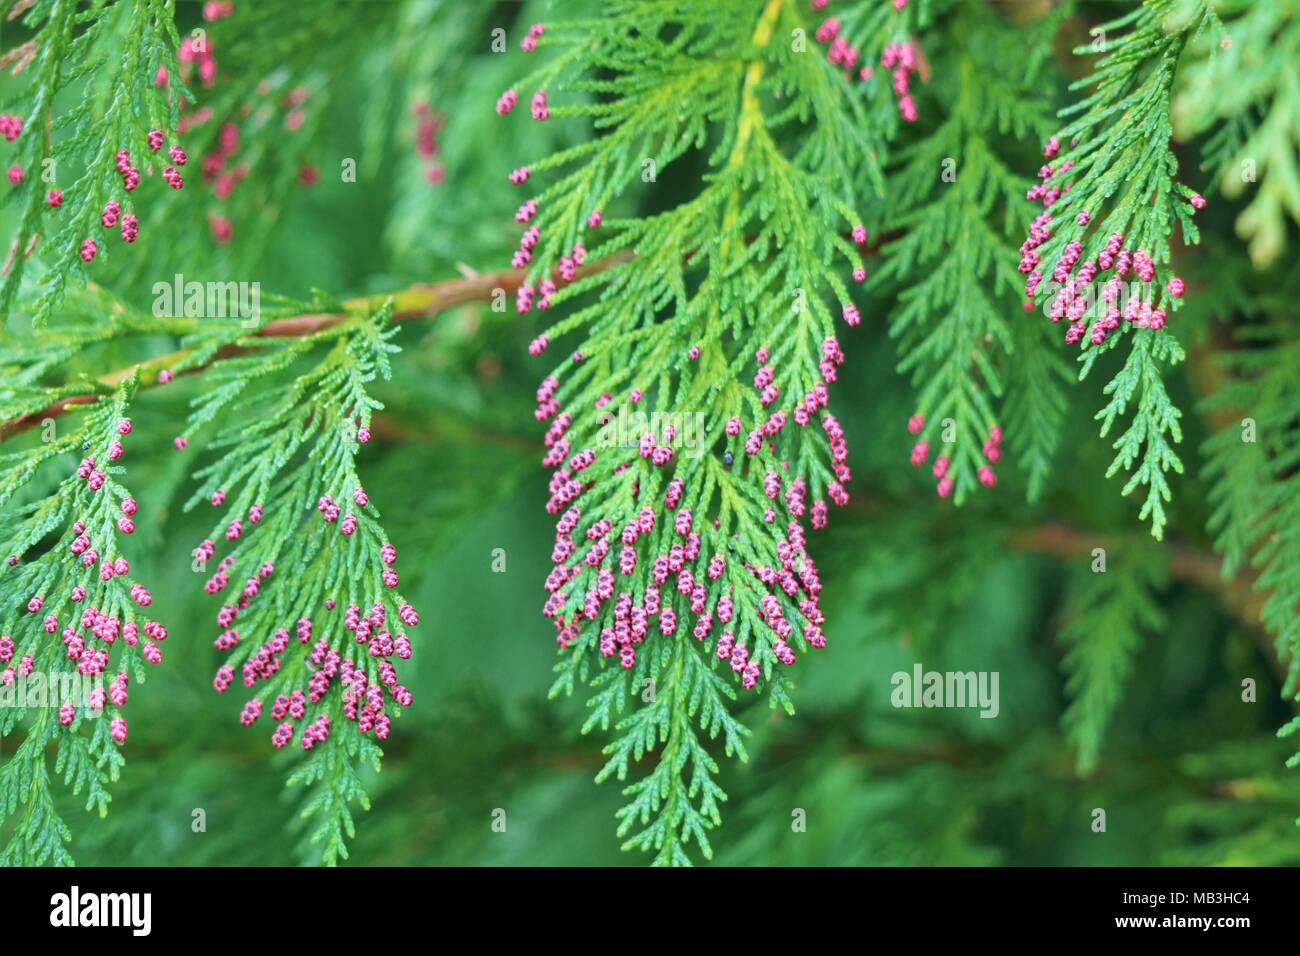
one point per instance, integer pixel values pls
(198, 51)
(117, 691)
(507, 102)
(902, 60)
(216, 9)
(218, 168)
(547, 406)
(840, 51)
(221, 682)
(328, 509)
(221, 228)
(627, 617)
(130, 227)
(832, 357)
(526, 296)
(1084, 297)
(839, 459)
(112, 213)
(375, 638)
(523, 256)
(426, 141)
(318, 731)
(529, 42)
(538, 106)
(91, 633)
(764, 380)
(992, 452)
(1046, 191)
(130, 175)
(860, 238)
(942, 469)
(10, 128)
(568, 267)
(10, 674)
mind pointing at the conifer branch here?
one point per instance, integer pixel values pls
(116, 49)
(1112, 202)
(1253, 115)
(958, 336)
(423, 301)
(63, 555)
(763, 232)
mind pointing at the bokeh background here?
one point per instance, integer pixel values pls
(1187, 772)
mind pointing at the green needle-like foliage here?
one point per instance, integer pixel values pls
(959, 206)
(1119, 171)
(1108, 614)
(1254, 114)
(754, 253)
(269, 480)
(91, 92)
(57, 546)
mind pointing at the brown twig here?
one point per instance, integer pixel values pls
(418, 302)
(1237, 593)
(1205, 571)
